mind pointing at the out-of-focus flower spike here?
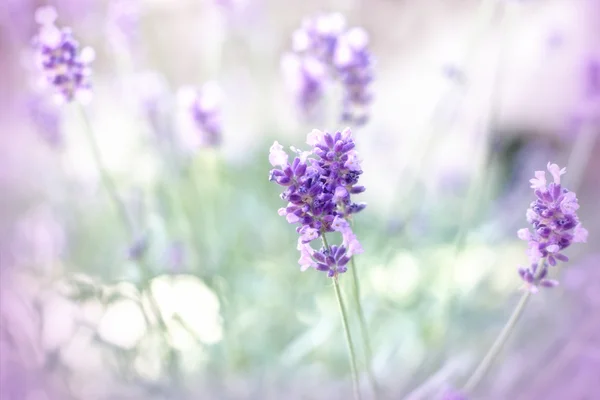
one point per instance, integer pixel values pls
(326, 51)
(64, 66)
(203, 108)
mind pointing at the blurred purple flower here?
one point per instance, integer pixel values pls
(138, 248)
(124, 20)
(203, 108)
(326, 51)
(307, 78)
(555, 226)
(318, 191)
(592, 78)
(153, 98)
(354, 65)
(587, 112)
(63, 66)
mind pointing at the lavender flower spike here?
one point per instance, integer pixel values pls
(64, 68)
(319, 185)
(555, 225)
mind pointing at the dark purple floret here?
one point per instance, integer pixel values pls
(319, 193)
(555, 227)
(332, 260)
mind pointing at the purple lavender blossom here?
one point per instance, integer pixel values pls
(555, 227)
(318, 192)
(326, 51)
(203, 109)
(64, 67)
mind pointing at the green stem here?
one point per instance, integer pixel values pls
(338, 295)
(111, 188)
(489, 358)
(109, 184)
(344, 316)
(363, 329)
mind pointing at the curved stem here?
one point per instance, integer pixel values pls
(109, 184)
(338, 295)
(363, 329)
(489, 358)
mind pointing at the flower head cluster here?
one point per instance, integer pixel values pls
(64, 66)
(325, 50)
(319, 184)
(203, 108)
(555, 225)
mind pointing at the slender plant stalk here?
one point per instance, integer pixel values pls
(478, 182)
(111, 188)
(364, 332)
(107, 180)
(489, 358)
(581, 154)
(338, 295)
(406, 184)
(349, 343)
(363, 329)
